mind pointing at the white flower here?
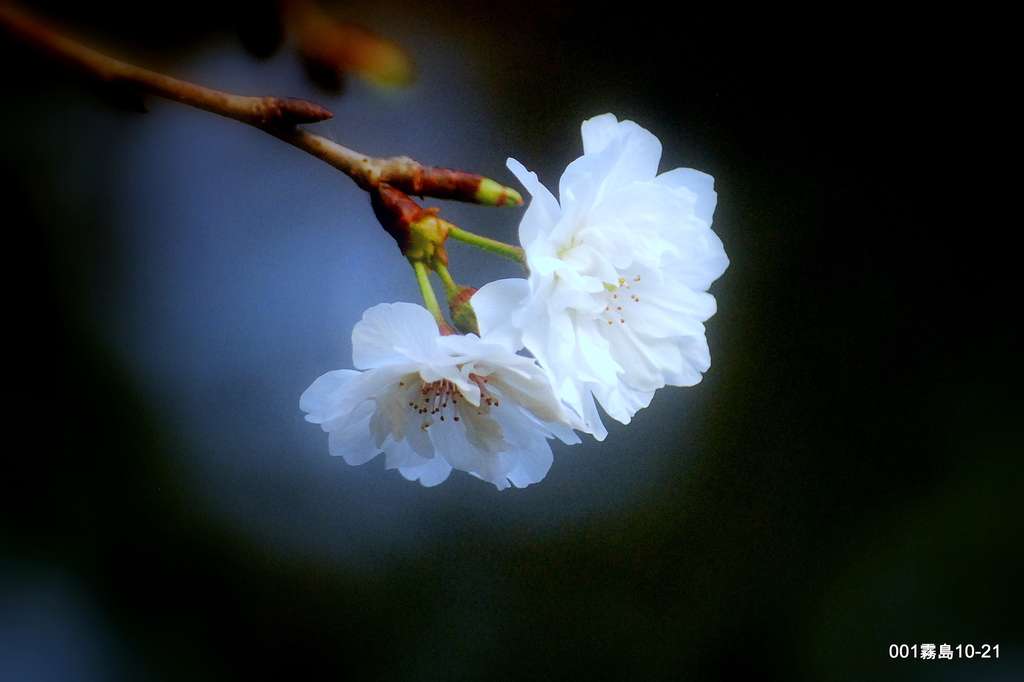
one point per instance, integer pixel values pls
(619, 271)
(432, 403)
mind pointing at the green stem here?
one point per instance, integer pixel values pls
(515, 253)
(451, 289)
(429, 298)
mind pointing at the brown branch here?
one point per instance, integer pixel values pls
(277, 116)
(256, 111)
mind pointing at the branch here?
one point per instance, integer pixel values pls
(277, 116)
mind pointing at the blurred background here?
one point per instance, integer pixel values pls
(847, 476)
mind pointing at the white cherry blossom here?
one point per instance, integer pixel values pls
(432, 403)
(614, 305)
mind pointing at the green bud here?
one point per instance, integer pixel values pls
(463, 314)
(491, 193)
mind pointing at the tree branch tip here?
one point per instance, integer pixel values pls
(293, 110)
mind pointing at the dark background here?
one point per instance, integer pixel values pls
(847, 476)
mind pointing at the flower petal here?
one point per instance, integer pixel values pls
(494, 304)
(316, 399)
(393, 333)
(543, 209)
(433, 472)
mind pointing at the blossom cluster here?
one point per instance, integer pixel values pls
(612, 310)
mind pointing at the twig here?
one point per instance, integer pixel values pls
(277, 116)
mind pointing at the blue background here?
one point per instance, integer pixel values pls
(846, 477)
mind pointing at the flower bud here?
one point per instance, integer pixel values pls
(463, 314)
(490, 193)
(333, 48)
(419, 180)
(448, 183)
